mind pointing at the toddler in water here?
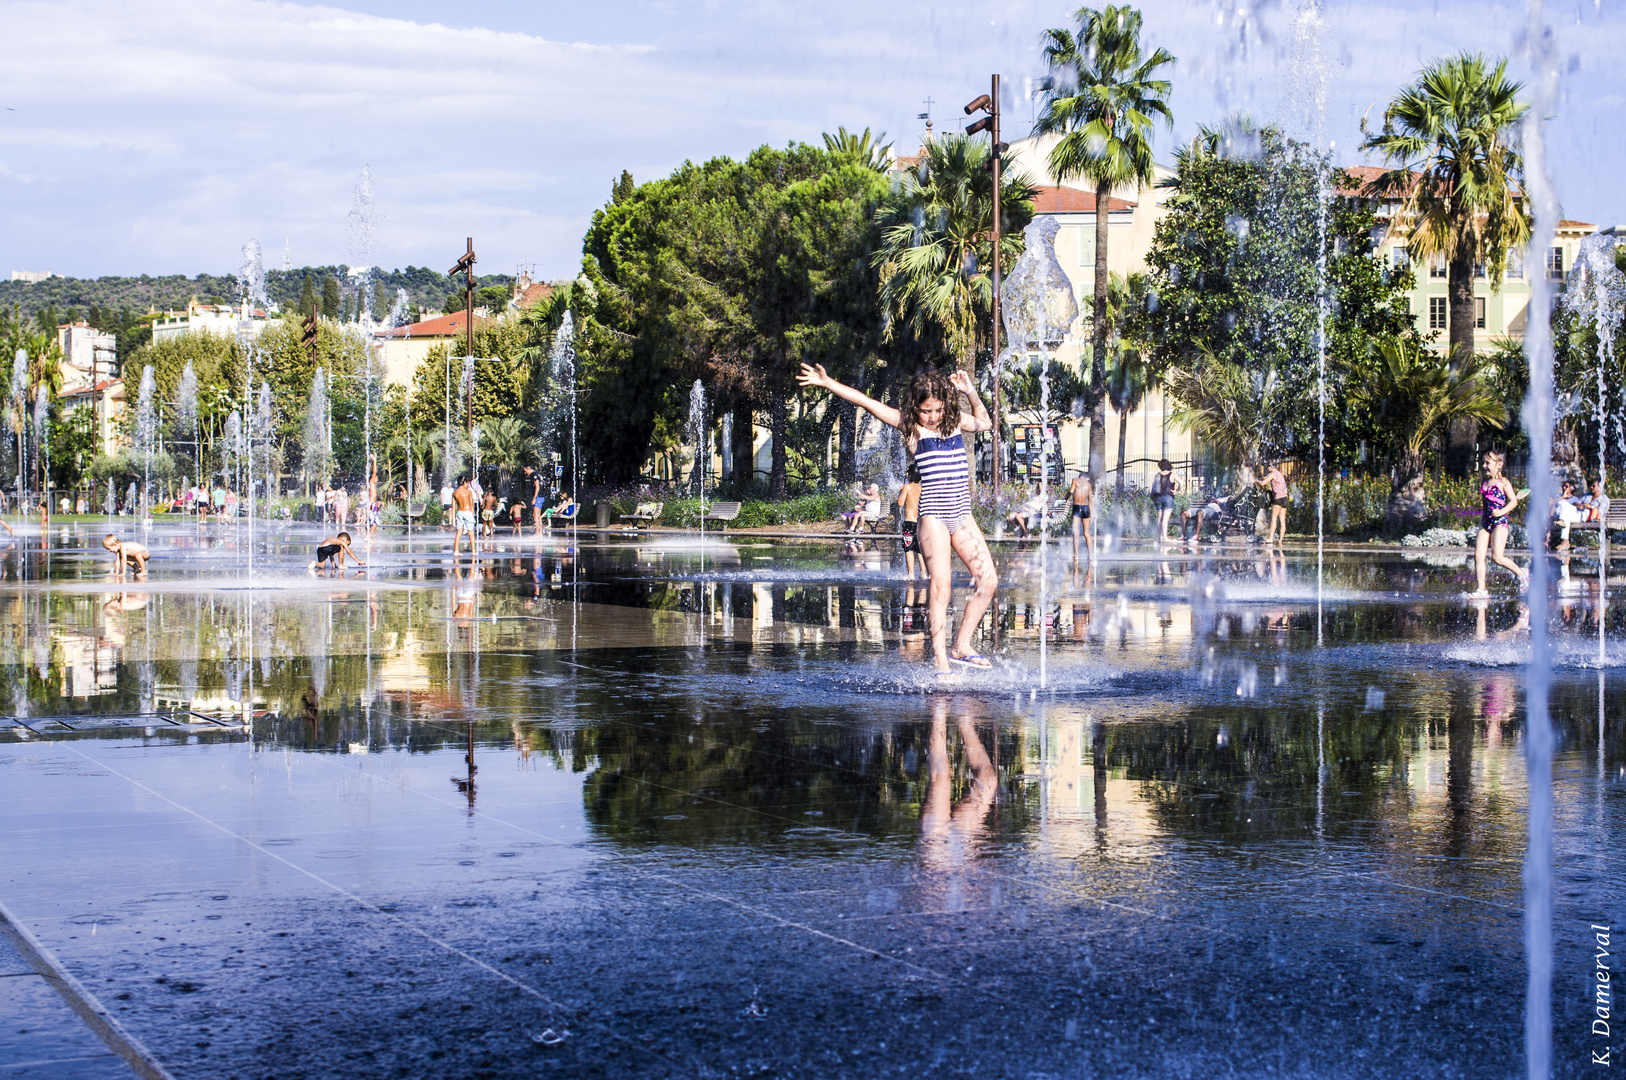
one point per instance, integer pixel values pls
(333, 551)
(127, 554)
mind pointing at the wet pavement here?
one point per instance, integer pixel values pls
(637, 806)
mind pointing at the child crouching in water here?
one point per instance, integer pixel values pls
(127, 555)
(333, 551)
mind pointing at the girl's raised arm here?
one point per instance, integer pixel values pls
(814, 375)
(977, 419)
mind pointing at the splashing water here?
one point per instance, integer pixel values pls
(1538, 422)
(1039, 307)
(251, 276)
(318, 437)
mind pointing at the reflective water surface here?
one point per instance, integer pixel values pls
(634, 806)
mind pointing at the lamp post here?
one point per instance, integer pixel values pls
(989, 103)
(465, 266)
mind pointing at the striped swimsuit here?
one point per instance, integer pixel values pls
(945, 486)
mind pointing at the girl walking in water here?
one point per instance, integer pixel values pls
(931, 423)
(1498, 498)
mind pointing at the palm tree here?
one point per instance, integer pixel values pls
(1102, 93)
(1223, 406)
(1129, 376)
(505, 443)
(1453, 139)
(1412, 394)
(867, 151)
(936, 228)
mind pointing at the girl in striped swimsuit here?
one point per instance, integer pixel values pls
(932, 425)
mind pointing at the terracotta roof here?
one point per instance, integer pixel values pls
(443, 326)
(530, 294)
(1566, 223)
(1067, 200)
(103, 385)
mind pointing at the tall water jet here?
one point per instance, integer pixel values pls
(363, 225)
(318, 438)
(697, 438)
(1597, 294)
(562, 361)
(146, 436)
(1538, 422)
(186, 410)
(18, 416)
(234, 448)
(1039, 308)
(251, 277)
(42, 439)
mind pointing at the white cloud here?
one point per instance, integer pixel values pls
(158, 137)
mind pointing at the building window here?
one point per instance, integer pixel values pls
(1515, 265)
(1479, 269)
(1555, 263)
(1436, 266)
(1436, 313)
(1479, 313)
(1399, 258)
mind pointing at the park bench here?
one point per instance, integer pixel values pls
(722, 511)
(415, 511)
(1614, 519)
(644, 513)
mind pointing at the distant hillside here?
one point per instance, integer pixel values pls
(425, 287)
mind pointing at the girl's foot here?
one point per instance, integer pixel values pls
(1480, 594)
(970, 660)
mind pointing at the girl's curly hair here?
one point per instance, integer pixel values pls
(929, 383)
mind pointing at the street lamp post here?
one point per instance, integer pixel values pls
(465, 266)
(989, 103)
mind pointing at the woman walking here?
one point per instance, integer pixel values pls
(931, 423)
(1498, 498)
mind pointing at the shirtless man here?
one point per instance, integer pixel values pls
(1080, 494)
(463, 510)
(333, 551)
(127, 554)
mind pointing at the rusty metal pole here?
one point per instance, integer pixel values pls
(468, 293)
(994, 467)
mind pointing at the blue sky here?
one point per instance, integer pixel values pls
(158, 136)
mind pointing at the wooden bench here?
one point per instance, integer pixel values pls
(644, 513)
(1614, 519)
(722, 511)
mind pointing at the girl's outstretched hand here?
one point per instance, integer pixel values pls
(813, 375)
(961, 382)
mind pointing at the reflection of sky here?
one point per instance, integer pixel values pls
(698, 795)
(177, 152)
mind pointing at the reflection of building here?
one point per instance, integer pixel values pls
(221, 320)
(403, 667)
(89, 664)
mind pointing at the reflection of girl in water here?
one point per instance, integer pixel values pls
(949, 833)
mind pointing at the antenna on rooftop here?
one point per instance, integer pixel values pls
(287, 263)
(927, 116)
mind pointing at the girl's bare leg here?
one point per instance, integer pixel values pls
(1481, 543)
(933, 538)
(1499, 556)
(973, 551)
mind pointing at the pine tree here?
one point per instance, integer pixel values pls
(307, 298)
(623, 188)
(330, 297)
